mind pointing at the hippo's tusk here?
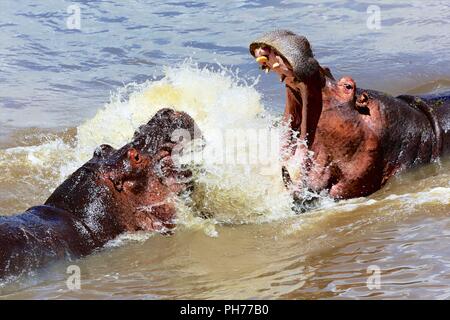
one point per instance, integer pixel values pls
(275, 65)
(262, 59)
(266, 70)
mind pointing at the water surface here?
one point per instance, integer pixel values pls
(65, 91)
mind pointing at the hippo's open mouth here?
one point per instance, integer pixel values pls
(270, 59)
(290, 56)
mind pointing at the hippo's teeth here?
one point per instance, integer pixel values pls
(266, 70)
(282, 78)
(262, 59)
(275, 65)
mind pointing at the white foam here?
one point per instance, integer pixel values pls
(216, 100)
(129, 237)
(438, 195)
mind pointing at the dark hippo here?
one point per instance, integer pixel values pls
(117, 191)
(359, 138)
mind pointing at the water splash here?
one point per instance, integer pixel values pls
(219, 100)
(225, 192)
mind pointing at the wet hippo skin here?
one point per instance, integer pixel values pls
(358, 138)
(116, 191)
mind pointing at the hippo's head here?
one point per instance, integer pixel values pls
(290, 56)
(131, 188)
(338, 122)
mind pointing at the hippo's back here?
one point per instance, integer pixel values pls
(36, 237)
(440, 105)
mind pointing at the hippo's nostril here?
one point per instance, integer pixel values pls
(118, 185)
(348, 86)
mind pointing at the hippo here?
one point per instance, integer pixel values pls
(347, 141)
(116, 191)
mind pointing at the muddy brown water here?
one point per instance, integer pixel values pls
(51, 119)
